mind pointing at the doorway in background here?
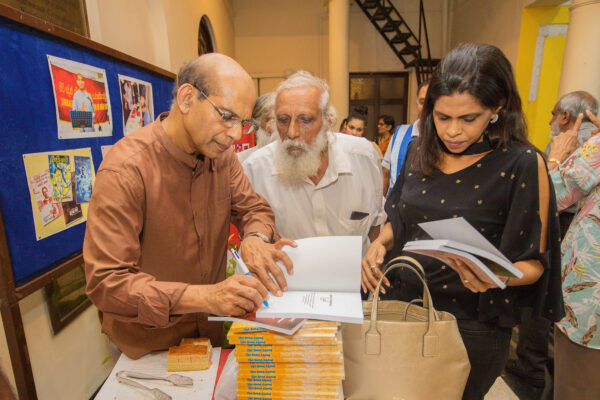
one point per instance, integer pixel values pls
(381, 93)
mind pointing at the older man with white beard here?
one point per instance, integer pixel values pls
(564, 115)
(318, 183)
(262, 116)
(532, 348)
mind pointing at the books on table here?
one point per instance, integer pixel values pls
(325, 284)
(287, 326)
(306, 365)
(455, 236)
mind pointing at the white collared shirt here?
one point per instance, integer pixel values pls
(352, 183)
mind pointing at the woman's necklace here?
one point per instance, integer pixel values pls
(476, 148)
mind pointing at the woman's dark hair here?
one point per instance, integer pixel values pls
(486, 74)
(361, 110)
(387, 119)
(343, 124)
(358, 117)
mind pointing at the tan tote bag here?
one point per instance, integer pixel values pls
(403, 351)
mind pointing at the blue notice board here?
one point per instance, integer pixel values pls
(28, 125)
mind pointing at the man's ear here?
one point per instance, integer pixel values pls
(185, 95)
(565, 121)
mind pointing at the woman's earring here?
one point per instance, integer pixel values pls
(494, 119)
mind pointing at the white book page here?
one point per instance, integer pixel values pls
(325, 264)
(329, 306)
(459, 230)
(480, 270)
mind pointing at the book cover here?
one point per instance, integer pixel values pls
(290, 354)
(59, 167)
(83, 179)
(291, 370)
(306, 335)
(72, 210)
(41, 187)
(456, 237)
(287, 326)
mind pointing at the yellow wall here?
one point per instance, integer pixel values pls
(538, 112)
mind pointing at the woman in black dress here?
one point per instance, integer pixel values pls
(473, 160)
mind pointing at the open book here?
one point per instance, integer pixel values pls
(325, 284)
(457, 237)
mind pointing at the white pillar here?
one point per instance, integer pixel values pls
(581, 62)
(338, 55)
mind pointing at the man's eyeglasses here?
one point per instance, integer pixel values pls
(229, 119)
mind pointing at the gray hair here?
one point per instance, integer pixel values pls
(192, 73)
(306, 79)
(263, 105)
(577, 102)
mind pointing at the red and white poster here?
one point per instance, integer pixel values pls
(81, 98)
(137, 104)
(41, 186)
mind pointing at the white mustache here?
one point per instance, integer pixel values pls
(287, 143)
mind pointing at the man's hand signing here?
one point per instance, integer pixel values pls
(261, 257)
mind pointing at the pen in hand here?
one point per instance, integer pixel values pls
(243, 267)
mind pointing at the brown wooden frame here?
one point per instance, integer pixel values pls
(9, 293)
(379, 75)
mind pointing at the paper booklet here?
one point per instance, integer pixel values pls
(325, 284)
(456, 236)
(287, 326)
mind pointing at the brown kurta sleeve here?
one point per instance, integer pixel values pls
(250, 212)
(112, 250)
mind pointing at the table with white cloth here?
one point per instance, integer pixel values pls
(156, 364)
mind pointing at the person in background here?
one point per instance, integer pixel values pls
(565, 112)
(396, 152)
(262, 117)
(385, 124)
(575, 174)
(472, 159)
(383, 138)
(356, 125)
(145, 112)
(82, 101)
(158, 219)
(532, 348)
(344, 125)
(318, 183)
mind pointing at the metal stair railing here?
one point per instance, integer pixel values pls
(400, 38)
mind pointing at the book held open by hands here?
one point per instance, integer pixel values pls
(325, 284)
(455, 237)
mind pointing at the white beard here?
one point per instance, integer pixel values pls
(554, 129)
(263, 137)
(295, 169)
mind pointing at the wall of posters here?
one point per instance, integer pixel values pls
(81, 99)
(136, 102)
(60, 186)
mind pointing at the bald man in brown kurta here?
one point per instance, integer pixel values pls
(156, 237)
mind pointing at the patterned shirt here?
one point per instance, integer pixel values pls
(577, 181)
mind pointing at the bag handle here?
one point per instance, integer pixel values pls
(430, 338)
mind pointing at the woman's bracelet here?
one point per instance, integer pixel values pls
(554, 160)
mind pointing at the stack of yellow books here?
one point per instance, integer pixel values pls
(306, 365)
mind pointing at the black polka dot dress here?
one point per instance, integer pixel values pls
(499, 196)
